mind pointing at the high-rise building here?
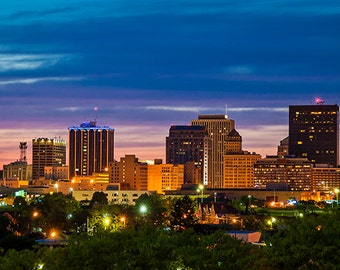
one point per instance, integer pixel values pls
(91, 148)
(47, 152)
(314, 133)
(218, 127)
(129, 172)
(191, 146)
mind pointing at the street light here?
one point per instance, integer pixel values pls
(123, 219)
(143, 209)
(56, 186)
(107, 221)
(271, 221)
(337, 197)
(201, 188)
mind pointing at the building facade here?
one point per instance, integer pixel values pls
(283, 174)
(326, 179)
(239, 170)
(218, 127)
(91, 149)
(129, 172)
(19, 170)
(191, 146)
(56, 173)
(162, 177)
(314, 133)
(47, 152)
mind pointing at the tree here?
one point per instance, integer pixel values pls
(311, 242)
(17, 260)
(55, 211)
(152, 209)
(183, 214)
(99, 198)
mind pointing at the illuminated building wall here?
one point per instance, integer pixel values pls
(162, 177)
(326, 179)
(218, 127)
(56, 173)
(91, 148)
(239, 170)
(293, 173)
(314, 133)
(19, 170)
(129, 172)
(187, 144)
(47, 152)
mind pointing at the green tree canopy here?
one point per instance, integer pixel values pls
(183, 214)
(99, 198)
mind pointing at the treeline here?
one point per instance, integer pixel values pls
(158, 233)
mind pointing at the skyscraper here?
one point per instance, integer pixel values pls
(314, 133)
(47, 152)
(218, 127)
(91, 148)
(190, 144)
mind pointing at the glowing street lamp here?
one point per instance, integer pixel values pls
(123, 219)
(271, 221)
(56, 186)
(106, 221)
(337, 197)
(143, 209)
(53, 234)
(201, 188)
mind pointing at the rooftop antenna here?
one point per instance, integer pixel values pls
(226, 111)
(319, 101)
(95, 113)
(23, 148)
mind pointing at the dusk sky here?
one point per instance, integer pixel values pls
(149, 64)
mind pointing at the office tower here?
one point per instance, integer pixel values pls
(314, 133)
(191, 146)
(47, 152)
(162, 177)
(233, 143)
(238, 164)
(218, 127)
(283, 174)
(129, 172)
(91, 148)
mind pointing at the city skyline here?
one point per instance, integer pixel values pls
(152, 64)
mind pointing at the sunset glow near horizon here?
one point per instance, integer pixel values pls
(141, 67)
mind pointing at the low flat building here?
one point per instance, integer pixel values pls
(113, 196)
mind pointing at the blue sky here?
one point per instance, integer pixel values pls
(149, 64)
